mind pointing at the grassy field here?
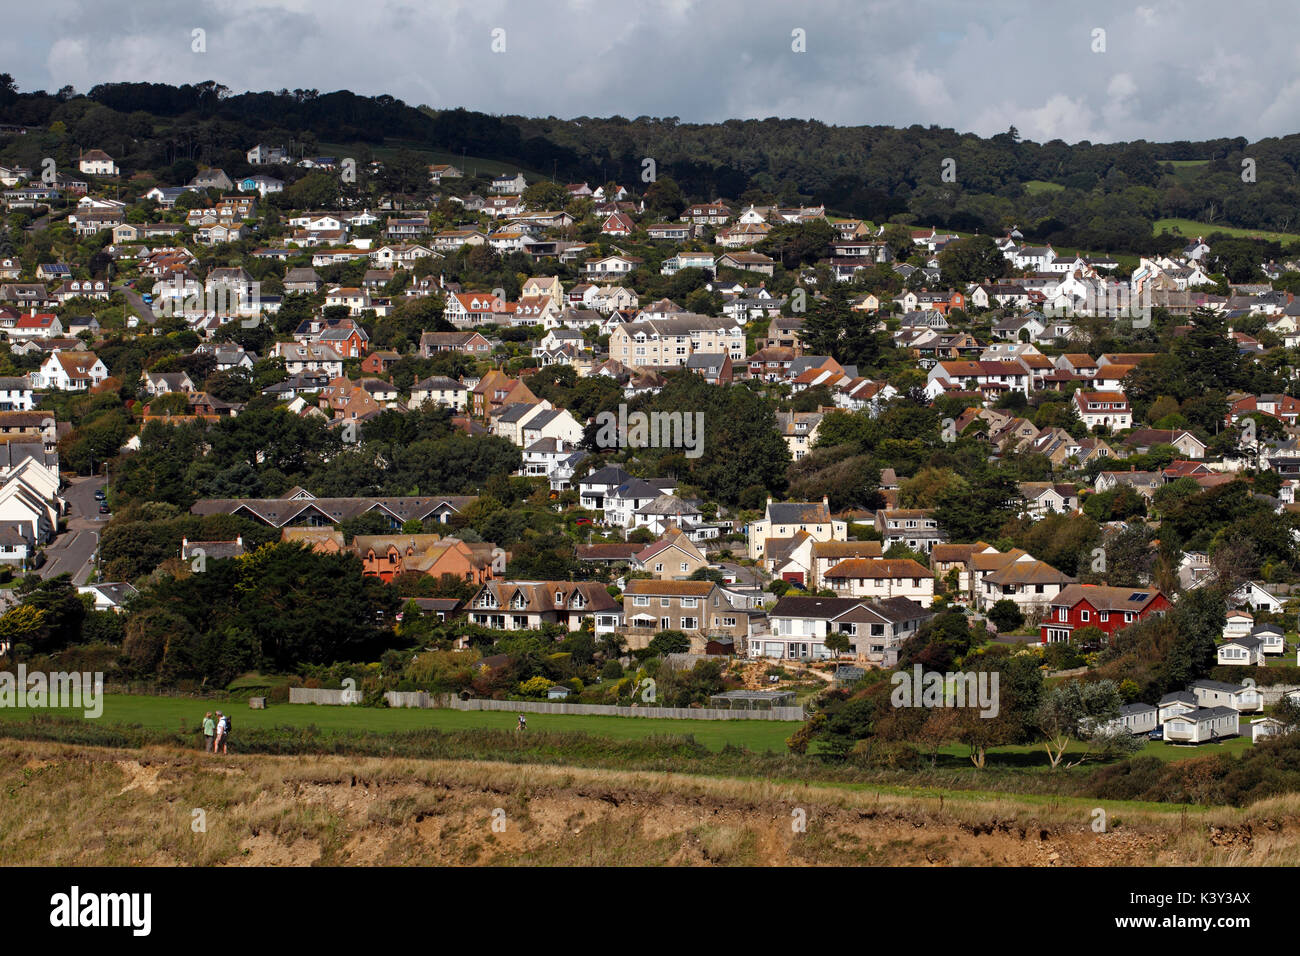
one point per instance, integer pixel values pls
(183, 715)
(174, 714)
(1036, 186)
(1191, 229)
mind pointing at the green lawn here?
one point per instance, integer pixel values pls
(1036, 186)
(173, 714)
(1191, 229)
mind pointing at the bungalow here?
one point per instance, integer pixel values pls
(1136, 718)
(1243, 698)
(468, 343)
(748, 261)
(1242, 651)
(1201, 724)
(688, 260)
(1262, 727)
(1142, 440)
(1271, 636)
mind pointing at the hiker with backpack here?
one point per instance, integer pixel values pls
(223, 734)
(219, 740)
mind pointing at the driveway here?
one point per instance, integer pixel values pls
(138, 305)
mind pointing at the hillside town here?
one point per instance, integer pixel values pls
(893, 424)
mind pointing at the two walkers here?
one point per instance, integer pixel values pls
(216, 733)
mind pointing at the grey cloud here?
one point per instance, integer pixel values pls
(1169, 70)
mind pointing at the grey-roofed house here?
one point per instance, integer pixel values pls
(110, 595)
(1201, 725)
(298, 507)
(1214, 693)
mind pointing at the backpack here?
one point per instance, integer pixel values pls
(226, 721)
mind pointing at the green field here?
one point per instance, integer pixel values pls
(175, 714)
(471, 165)
(1036, 186)
(1191, 229)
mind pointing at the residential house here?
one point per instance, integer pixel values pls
(1100, 606)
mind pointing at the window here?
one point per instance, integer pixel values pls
(1083, 615)
(690, 623)
(640, 600)
(665, 602)
(690, 602)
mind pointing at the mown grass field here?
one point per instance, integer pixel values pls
(1036, 186)
(173, 714)
(180, 714)
(1191, 229)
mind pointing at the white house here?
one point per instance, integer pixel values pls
(1201, 725)
(1106, 409)
(1244, 698)
(1135, 718)
(799, 626)
(70, 371)
(96, 162)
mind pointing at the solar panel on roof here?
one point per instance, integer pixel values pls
(1137, 596)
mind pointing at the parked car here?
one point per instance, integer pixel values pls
(99, 494)
(103, 507)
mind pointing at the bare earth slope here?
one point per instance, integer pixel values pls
(71, 805)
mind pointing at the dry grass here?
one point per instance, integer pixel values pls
(69, 805)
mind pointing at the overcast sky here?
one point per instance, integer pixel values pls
(1171, 69)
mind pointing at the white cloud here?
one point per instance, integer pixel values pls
(1168, 73)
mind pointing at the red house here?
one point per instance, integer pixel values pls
(1096, 605)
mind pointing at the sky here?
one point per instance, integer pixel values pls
(1101, 71)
